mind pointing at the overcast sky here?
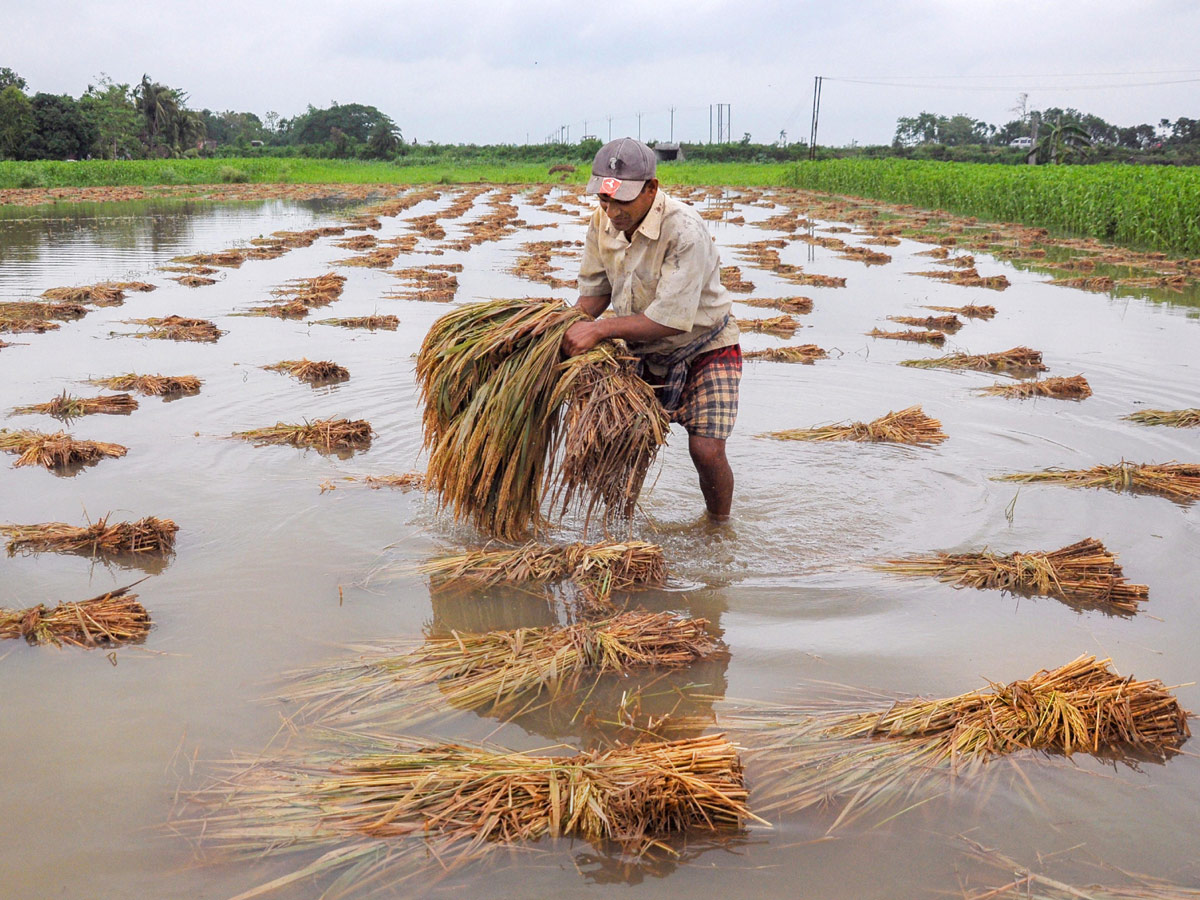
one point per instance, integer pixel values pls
(507, 71)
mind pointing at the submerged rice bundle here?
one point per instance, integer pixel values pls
(795, 305)
(495, 385)
(66, 406)
(969, 311)
(111, 618)
(1176, 418)
(908, 426)
(967, 277)
(440, 807)
(1083, 573)
(193, 280)
(387, 323)
(933, 323)
(310, 371)
(146, 535)
(1073, 388)
(784, 326)
(1018, 358)
(25, 310)
(1176, 481)
(924, 337)
(178, 328)
(150, 385)
(322, 434)
(103, 294)
(55, 451)
(864, 759)
(803, 353)
(501, 673)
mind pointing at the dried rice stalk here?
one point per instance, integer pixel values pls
(1087, 282)
(194, 280)
(55, 451)
(731, 280)
(949, 324)
(1176, 481)
(1018, 358)
(1083, 573)
(795, 305)
(178, 328)
(968, 277)
(322, 434)
(968, 312)
(17, 325)
(111, 618)
(320, 372)
(31, 310)
(784, 326)
(1177, 418)
(103, 294)
(65, 406)
(924, 337)
(908, 426)
(150, 385)
(804, 353)
(387, 323)
(1072, 388)
(146, 535)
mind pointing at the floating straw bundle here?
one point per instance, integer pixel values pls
(104, 294)
(1018, 358)
(67, 406)
(1083, 573)
(323, 434)
(1177, 418)
(387, 323)
(865, 759)
(796, 305)
(178, 328)
(970, 311)
(783, 326)
(1176, 481)
(908, 426)
(499, 672)
(803, 353)
(112, 618)
(459, 803)
(1073, 388)
(146, 535)
(924, 337)
(933, 323)
(494, 385)
(54, 451)
(319, 372)
(151, 385)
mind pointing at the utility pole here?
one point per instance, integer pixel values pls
(672, 124)
(710, 123)
(639, 126)
(816, 115)
(610, 128)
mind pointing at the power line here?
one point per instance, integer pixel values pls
(1010, 88)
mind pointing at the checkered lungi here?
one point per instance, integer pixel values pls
(708, 406)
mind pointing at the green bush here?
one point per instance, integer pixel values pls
(230, 175)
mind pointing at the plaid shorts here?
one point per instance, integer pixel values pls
(709, 403)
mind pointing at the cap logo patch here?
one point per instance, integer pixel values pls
(614, 162)
(611, 185)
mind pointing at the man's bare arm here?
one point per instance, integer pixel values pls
(593, 306)
(637, 329)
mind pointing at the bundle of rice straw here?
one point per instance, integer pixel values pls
(501, 404)
(798, 305)
(67, 406)
(111, 618)
(924, 337)
(387, 323)
(319, 372)
(146, 535)
(55, 451)
(178, 328)
(784, 326)
(1176, 481)
(501, 673)
(1018, 358)
(322, 434)
(866, 759)
(970, 311)
(803, 353)
(402, 808)
(908, 426)
(1073, 388)
(1084, 573)
(933, 323)
(1175, 418)
(150, 385)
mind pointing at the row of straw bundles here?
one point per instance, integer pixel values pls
(495, 386)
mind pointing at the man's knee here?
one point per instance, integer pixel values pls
(707, 453)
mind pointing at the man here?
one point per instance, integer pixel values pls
(651, 258)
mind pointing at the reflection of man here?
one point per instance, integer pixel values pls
(651, 257)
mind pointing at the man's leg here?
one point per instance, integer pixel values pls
(716, 476)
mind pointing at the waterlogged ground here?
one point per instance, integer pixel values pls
(272, 573)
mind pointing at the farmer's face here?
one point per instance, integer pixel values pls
(628, 215)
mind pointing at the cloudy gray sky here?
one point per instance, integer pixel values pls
(507, 71)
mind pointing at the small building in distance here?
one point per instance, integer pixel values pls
(668, 152)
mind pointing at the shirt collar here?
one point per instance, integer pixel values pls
(651, 226)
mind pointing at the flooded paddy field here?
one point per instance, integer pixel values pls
(284, 556)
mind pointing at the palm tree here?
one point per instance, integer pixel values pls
(159, 106)
(1061, 140)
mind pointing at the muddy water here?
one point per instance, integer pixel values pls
(272, 574)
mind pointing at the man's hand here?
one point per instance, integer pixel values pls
(636, 329)
(581, 337)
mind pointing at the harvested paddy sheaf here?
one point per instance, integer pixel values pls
(502, 221)
(922, 337)
(908, 426)
(230, 259)
(165, 386)
(1175, 481)
(867, 760)
(947, 324)
(792, 305)
(967, 278)
(1084, 574)
(1101, 283)
(1175, 418)
(105, 293)
(803, 353)
(412, 810)
(429, 284)
(112, 618)
(193, 280)
(66, 406)
(731, 279)
(1074, 387)
(303, 294)
(536, 262)
(177, 328)
(322, 434)
(783, 326)
(357, 242)
(381, 257)
(965, 261)
(314, 372)
(55, 451)
(865, 255)
(26, 309)
(494, 386)
(146, 535)
(765, 255)
(12, 324)
(497, 673)
(969, 311)
(1020, 359)
(405, 481)
(373, 323)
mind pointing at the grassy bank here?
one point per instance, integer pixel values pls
(1146, 207)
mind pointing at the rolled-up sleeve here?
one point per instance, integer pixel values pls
(593, 279)
(677, 297)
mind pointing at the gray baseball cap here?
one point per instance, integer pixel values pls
(621, 168)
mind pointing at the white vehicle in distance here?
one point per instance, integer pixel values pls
(1023, 142)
